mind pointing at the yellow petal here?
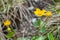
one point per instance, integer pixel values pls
(44, 10)
(36, 12)
(37, 9)
(7, 23)
(48, 13)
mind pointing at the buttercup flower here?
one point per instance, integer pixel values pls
(7, 23)
(48, 13)
(43, 12)
(39, 12)
(9, 29)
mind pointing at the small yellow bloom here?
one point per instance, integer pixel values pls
(7, 23)
(44, 11)
(48, 13)
(9, 29)
(39, 12)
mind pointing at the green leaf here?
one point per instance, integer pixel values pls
(58, 10)
(43, 28)
(34, 37)
(10, 34)
(57, 0)
(42, 23)
(41, 38)
(50, 36)
(36, 23)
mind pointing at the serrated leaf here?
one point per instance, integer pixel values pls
(42, 23)
(50, 36)
(43, 28)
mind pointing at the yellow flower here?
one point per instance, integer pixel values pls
(7, 23)
(48, 13)
(9, 29)
(43, 12)
(39, 12)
